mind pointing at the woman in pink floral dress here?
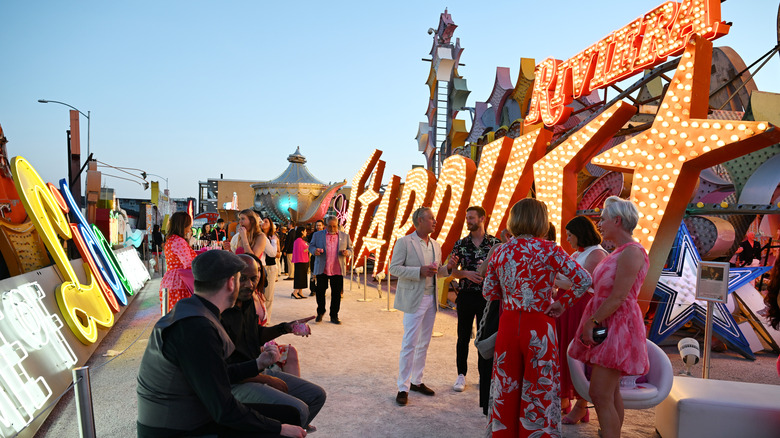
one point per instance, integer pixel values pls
(525, 363)
(614, 305)
(178, 259)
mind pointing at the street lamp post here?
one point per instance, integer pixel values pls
(72, 107)
(160, 176)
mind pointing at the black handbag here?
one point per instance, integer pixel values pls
(599, 334)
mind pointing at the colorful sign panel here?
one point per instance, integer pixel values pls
(85, 307)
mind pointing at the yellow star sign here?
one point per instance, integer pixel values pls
(667, 158)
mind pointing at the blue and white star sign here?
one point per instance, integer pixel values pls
(676, 291)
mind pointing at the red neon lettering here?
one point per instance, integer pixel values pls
(643, 43)
(695, 16)
(418, 191)
(358, 183)
(624, 49)
(368, 200)
(657, 24)
(544, 82)
(604, 59)
(583, 67)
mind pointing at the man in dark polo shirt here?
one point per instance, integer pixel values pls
(470, 252)
(272, 385)
(184, 382)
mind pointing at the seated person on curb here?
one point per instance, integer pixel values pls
(271, 386)
(184, 382)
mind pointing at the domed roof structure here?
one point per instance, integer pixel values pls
(295, 194)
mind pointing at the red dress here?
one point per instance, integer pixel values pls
(178, 257)
(625, 348)
(525, 363)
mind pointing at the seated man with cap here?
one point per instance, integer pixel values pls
(184, 382)
(271, 386)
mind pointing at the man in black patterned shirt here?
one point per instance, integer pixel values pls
(471, 251)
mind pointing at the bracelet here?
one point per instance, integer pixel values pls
(594, 320)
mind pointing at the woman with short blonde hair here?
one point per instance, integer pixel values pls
(528, 217)
(616, 283)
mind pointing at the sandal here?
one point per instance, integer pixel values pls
(584, 419)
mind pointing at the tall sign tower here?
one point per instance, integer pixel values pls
(442, 132)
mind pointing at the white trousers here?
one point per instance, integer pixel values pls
(418, 328)
(272, 272)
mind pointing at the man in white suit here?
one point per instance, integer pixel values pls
(416, 263)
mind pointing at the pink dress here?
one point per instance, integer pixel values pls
(178, 258)
(625, 348)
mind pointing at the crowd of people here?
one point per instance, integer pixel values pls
(235, 381)
(545, 303)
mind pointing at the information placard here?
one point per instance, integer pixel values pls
(712, 281)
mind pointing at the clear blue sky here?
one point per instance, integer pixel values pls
(191, 90)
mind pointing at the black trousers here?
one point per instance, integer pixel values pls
(336, 286)
(282, 413)
(485, 376)
(470, 305)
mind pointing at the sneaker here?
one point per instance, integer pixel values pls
(460, 383)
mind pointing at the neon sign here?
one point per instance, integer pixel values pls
(83, 306)
(34, 325)
(665, 159)
(22, 395)
(645, 42)
(380, 229)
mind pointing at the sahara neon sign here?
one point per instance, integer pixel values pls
(645, 42)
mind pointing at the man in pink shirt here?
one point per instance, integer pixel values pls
(330, 248)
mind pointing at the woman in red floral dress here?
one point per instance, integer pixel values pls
(178, 259)
(525, 371)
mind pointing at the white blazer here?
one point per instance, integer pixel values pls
(405, 264)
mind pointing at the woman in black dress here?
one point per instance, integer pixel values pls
(301, 261)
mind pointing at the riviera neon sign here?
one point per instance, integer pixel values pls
(665, 159)
(645, 42)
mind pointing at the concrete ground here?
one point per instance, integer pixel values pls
(357, 364)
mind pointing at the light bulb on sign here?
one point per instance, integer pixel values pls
(559, 168)
(491, 168)
(518, 175)
(368, 201)
(381, 229)
(418, 191)
(358, 183)
(457, 178)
